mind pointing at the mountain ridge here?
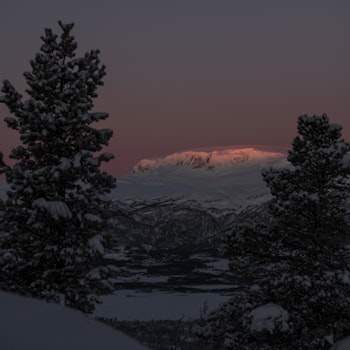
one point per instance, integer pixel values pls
(230, 174)
(212, 158)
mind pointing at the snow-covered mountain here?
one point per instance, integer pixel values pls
(228, 174)
(213, 159)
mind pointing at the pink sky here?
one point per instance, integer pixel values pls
(188, 74)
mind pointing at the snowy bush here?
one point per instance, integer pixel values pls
(269, 317)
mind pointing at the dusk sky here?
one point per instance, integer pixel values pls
(185, 74)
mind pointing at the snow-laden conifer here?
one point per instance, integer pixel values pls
(291, 252)
(57, 203)
(310, 196)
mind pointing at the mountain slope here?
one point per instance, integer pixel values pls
(230, 174)
(219, 159)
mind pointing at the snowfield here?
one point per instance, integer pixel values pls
(30, 324)
(343, 344)
(131, 305)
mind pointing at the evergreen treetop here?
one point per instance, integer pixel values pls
(311, 194)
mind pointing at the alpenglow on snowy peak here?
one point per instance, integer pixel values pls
(213, 158)
(202, 174)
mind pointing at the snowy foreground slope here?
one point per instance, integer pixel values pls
(32, 324)
(230, 173)
(342, 345)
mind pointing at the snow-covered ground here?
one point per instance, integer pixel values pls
(131, 305)
(343, 344)
(30, 324)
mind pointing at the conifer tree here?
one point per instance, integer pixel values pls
(291, 252)
(310, 196)
(57, 203)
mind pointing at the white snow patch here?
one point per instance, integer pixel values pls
(265, 317)
(211, 286)
(140, 278)
(82, 184)
(116, 256)
(346, 161)
(216, 267)
(95, 243)
(76, 161)
(65, 163)
(343, 344)
(346, 278)
(55, 208)
(92, 217)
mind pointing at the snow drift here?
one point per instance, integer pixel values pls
(32, 324)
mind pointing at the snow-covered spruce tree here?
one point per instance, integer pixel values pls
(57, 203)
(291, 253)
(310, 196)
